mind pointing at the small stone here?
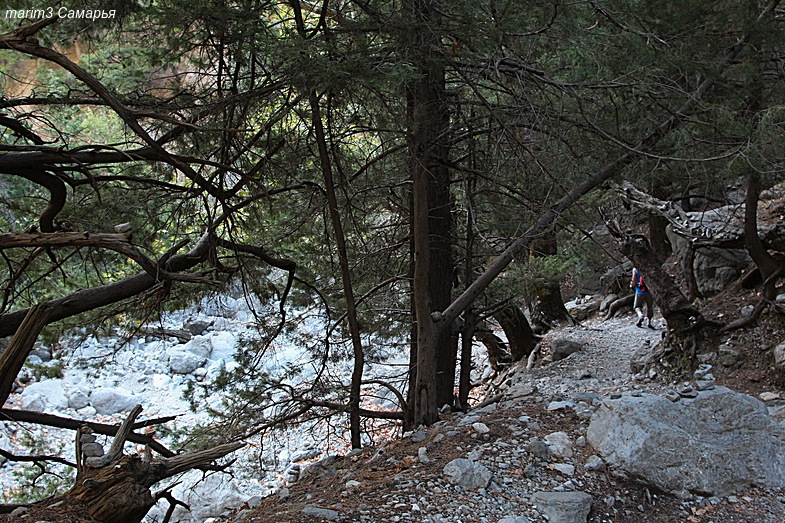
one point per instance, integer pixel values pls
(594, 463)
(704, 384)
(769, 396)
(539, 449)
(98, 461)
(283, 494)
(564, 468)
(422, 456)
(419, 437)
(468, 474)
(323, 513)
(562, 347)
(560, 405)
(87, 438)
(688, 392)
(703, 369)
(560, 444)
(673, 396)
(728, 356)
(475, 455)
(92, 450)
(615, 395)
(481, 428)
(562, 507)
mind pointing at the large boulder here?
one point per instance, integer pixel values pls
(107, 400)
(47, 395)
(185, 362)
(202, 346)
(715, 444)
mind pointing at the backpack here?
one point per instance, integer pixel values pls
(639, 281)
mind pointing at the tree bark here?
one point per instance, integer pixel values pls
(626, 301)
(688, 332)
(498, 355)
(520, 336)
(431, 212)
(14, 356)
(659, 240)
(767, 265)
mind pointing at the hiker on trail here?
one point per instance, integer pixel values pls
(642, 297)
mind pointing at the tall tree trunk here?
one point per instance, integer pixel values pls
(408, 422)
(467, 335)
(431, 211)
(340, 242)
(346, 278)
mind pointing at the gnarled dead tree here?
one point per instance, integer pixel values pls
(744, 234)
(688, 331)
(115, 487)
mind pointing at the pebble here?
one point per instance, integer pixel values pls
(481, 428)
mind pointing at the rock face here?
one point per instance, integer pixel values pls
(715, 268)
(715, 444)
